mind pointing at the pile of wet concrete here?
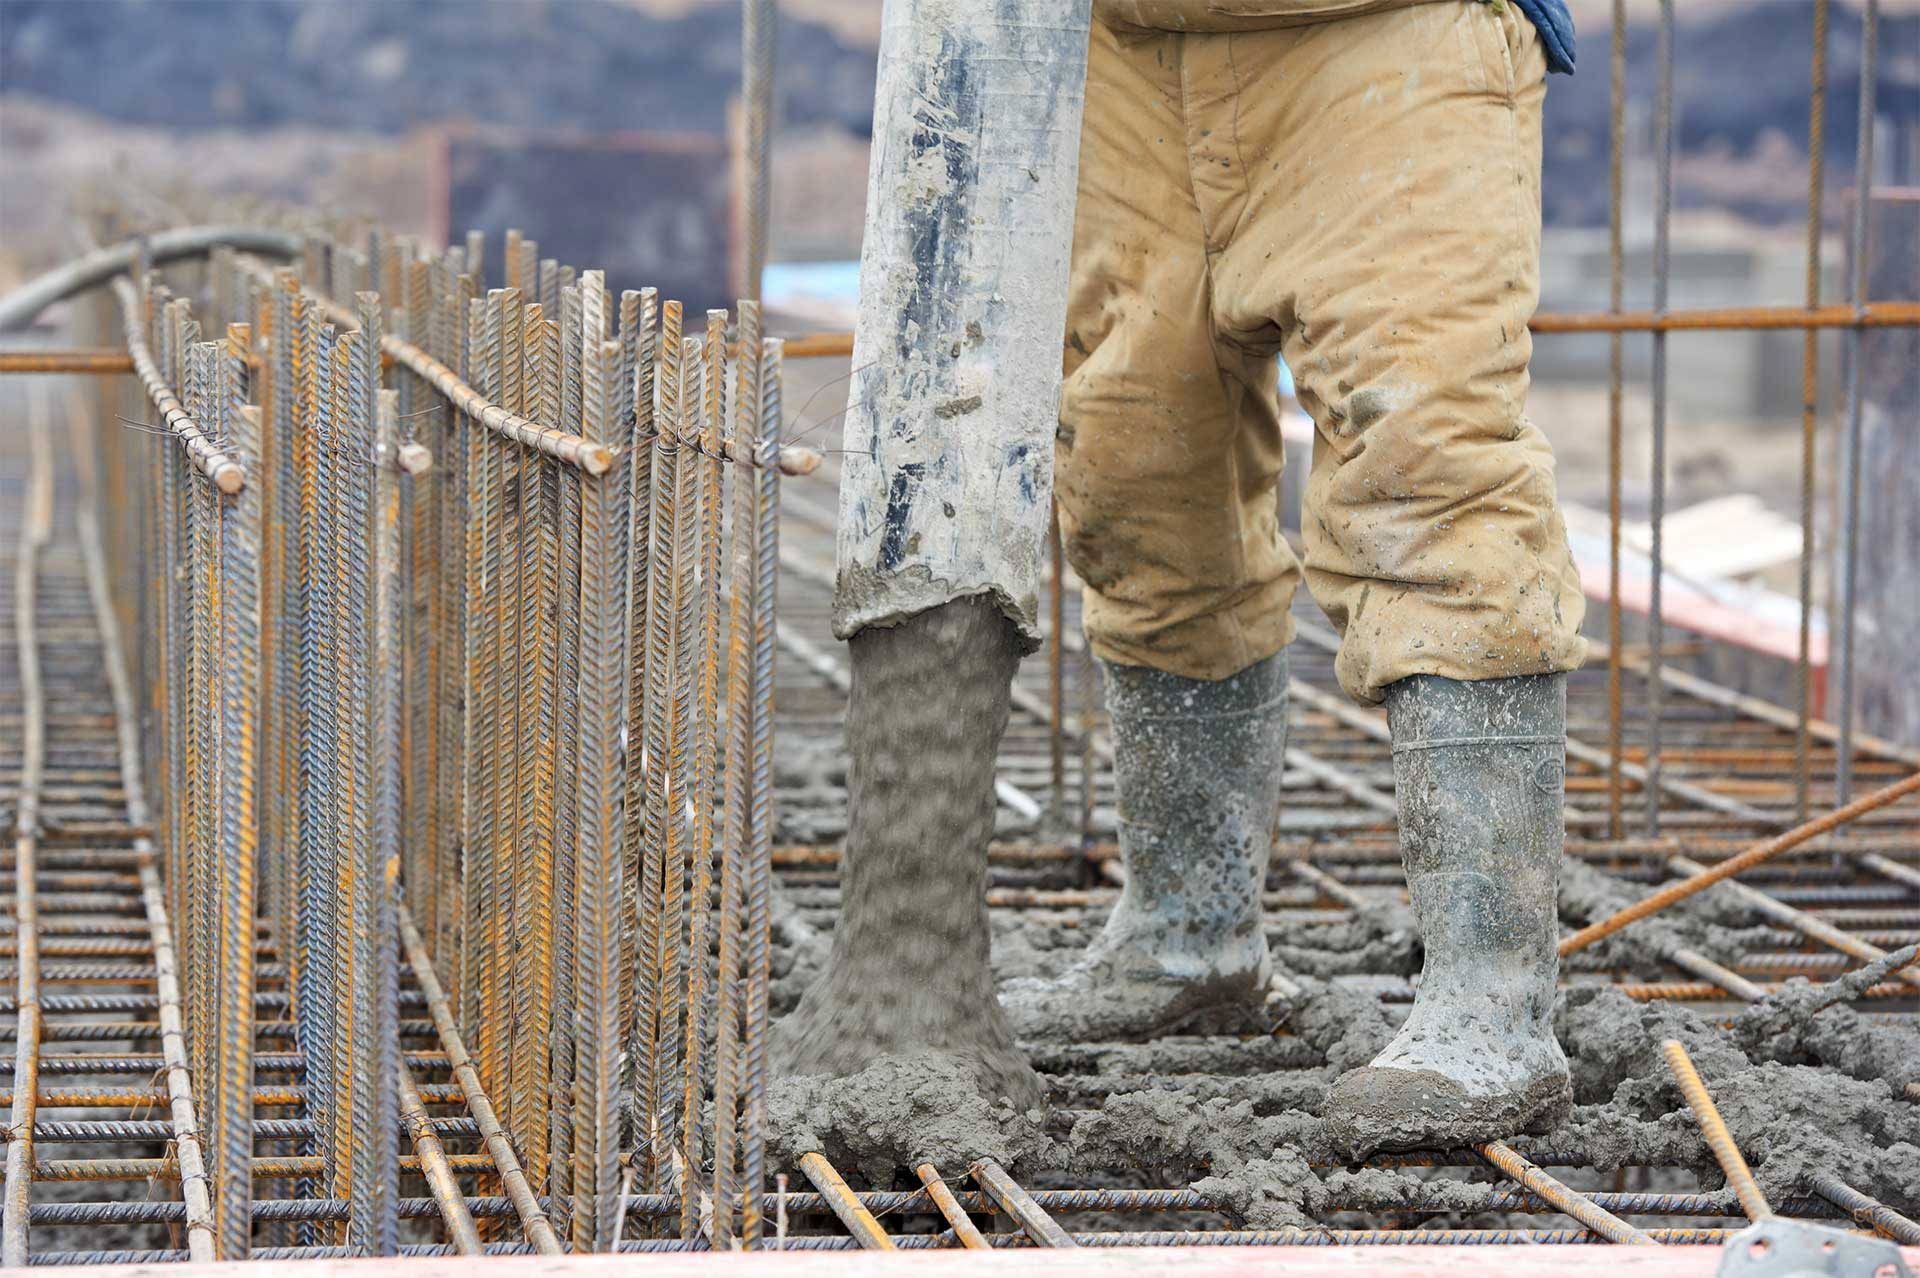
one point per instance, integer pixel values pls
(1806, 1082)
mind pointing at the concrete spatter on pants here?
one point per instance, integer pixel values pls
(908, 972)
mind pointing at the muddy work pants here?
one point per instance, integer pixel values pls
(1360, 196)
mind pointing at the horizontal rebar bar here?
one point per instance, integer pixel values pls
(227, 474)
(1888, 314)
(98, 360)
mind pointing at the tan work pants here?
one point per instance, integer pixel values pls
(1361, 196)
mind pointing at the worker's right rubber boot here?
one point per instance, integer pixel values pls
(1479, 772)
(1198, 764)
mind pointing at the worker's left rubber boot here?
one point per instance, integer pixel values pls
(1198, 766)
(1479, 768)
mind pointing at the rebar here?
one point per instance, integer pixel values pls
(35, 530)
(841, 1201)
(1850, 443)
(457, 681)
(1755, 855)
(950, 1209)
(1583, 1209)
(1019, 1204)
(1725, 1151)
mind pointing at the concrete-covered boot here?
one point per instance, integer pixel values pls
(1479, 769)
(1198, 766)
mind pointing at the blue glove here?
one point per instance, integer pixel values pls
(1555, 25)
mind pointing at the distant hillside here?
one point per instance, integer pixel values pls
(595, 66)
(391, 65)
(1741, 75)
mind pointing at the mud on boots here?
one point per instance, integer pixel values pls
(1479, 768)
(1198, 765)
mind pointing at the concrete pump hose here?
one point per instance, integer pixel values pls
(21, 307)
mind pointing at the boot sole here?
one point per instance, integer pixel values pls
(1416, 1112)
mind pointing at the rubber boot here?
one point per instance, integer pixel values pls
(1198, 765)
(1479, 769)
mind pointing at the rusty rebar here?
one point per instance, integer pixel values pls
(1810, 410)
(228, 474)
(1725, 1151)
(950, 1209)
(841, 1200)
(432, 1157)
(1017, 1203)
(35, 531)
(1869, 1211)
(99, 360)
(1757, 854)
(599, 825)
(588, 455)
(1583, 1209)
(533, 1217)
(1903, 313)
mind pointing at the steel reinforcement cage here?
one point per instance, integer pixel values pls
(454, 656)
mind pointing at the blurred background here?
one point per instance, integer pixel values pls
(606, 128)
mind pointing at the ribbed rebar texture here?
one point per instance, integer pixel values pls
(385, 612)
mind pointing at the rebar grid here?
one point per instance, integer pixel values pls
(556, 869)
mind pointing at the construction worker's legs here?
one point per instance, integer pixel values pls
(1169, 453)
(1362, 195)
(1385, 173)
(1391, 243)
(1166, 470)
(1367, 193)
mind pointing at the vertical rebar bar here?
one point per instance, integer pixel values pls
(539, 568)
(765, 531)
(308, 357)
(456, 539)
(627, 320)
(507, 338)
(35, 531)
(1616, 216)
(642, 338)
(652, 999)
(603, 676)
(357, 363)
(1857, 247)
(595, 969)
(733, 835)
(236, 801)
(707, 743)
(1810, 412)
(375, 1208)
(1657, 505)
(675, 679)
(567, 867)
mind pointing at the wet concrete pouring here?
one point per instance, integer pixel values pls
(1214, 1135)
(1818, 1083)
